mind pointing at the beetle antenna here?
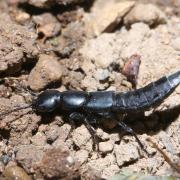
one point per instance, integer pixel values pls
(15, 109)
(22, 88)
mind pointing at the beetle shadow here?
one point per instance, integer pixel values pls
(149, 125)
(140, 123)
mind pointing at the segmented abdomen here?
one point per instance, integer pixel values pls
(146, 97)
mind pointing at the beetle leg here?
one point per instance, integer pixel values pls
(73, 126)
(93, 133)
(130, 130)
(72, 117)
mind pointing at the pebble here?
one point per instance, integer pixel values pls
(28, 155)
(22, 17)
(81, 136)
(64, 131)
(52, 133)
(47, 24)
(101, 74)
(87, 66)
(125, 153)
(39, 139)
(102, 163)
(110, 171)
(58, 143)
(89, 83)
(167, 142)
(147, 13)
(103, 135)
(15, 172)
(58, 164)
(115, 137)
(82, 156)
(105, 147)
(46, 71)
(5, 159)
(176, 44)
(16, 47)
(105, 18)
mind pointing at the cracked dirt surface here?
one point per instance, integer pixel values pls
(71, 51)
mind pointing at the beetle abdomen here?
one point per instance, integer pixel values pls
(144, 98)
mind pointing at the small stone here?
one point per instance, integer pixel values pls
(22, 17)
(46, 71)
(70, 41)
(39, 139)
(101, 74)
(15, 47)
(105, 18)
(15, 172)
(53, 133)
(102, 163)
(110, 171)
(17, 100)
(147, 13)
(81, 136)
(111, 88)
(57, 164)
(103, 135)
(82, 156)
(89, 83)
(61, 144)
(115, 137)
(87, 66)
(28, 155)
(167, 142)
(5, 159)
(70, 160)
(153, 164)
(126, 83)
(47, 24)
(105, 147)
(176, 44)
(2, 166)
(125, 153)
(42, 128)
(148, 113)
(64, 131)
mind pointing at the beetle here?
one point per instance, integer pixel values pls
(87, 106)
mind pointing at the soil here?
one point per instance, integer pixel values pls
(85, 45)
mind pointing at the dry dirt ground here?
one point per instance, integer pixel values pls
(84, 45)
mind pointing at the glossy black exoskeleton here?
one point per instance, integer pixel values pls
(104, 103)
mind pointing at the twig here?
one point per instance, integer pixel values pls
(174, 165)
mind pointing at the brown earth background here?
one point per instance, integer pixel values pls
(84, 45)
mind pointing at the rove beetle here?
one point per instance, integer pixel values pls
(80, 105)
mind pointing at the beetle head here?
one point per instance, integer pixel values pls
(47, 101)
